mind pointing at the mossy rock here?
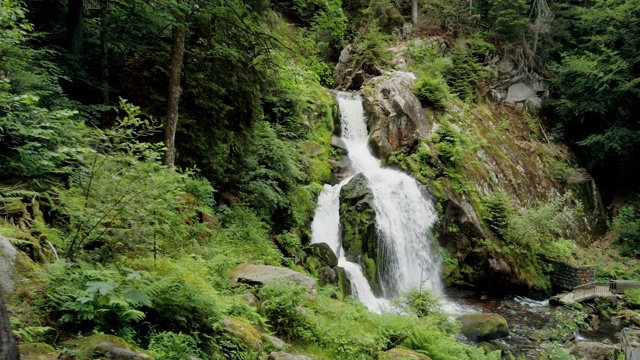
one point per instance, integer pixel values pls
(324, 252)
(359, 231)
(402, 354)
(484, 327)
(244, 332)
(37, 351)
(104, 347)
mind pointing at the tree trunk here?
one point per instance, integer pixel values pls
(104, 56)
(173, 98)
(8, 347)
(415, 12)
(74, 27)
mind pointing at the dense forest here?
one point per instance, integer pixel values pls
(147, 148)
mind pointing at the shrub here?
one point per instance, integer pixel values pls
(632, 298)
(173, 346)
(420, 302)
(627, 229)
(496, 210)
(432, 91)
(282, 306)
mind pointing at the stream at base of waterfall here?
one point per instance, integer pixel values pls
(405, 217)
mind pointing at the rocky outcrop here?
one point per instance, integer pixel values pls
(359, 233)
(484, 327)
(396, 118)
(324, 253)
(266, 274)
(512, 85)
(8, 347)
(350, 74)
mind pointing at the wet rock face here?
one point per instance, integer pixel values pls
(396, 118)
(484, 327)
(359, 233)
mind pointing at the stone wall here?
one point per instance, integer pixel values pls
(565, 276)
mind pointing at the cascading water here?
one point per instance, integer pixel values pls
(404, 217)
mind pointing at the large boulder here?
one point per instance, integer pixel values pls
(266, 274)
(359, 232)
(484, 327)
(397, 120)
(104, 347)
(324, 252)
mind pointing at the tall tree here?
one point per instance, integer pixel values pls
(74, 26)
(175, 90)
(8, 347)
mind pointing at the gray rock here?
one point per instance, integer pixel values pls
(111, 352)
(324, 253)
(280, 355)
(519, 92)
(251, 299)
(8, 255)
(267, 274)
(397, 120)
(592, 350)
(277, 343)
(338, 142)
(484, 327)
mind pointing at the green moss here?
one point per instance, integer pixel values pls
(244, 332)
(85, 348)
(37, 351)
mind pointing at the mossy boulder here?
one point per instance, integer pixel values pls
(484, 327)
(37, 351)
(402, 354)
(324, 252)
(244, 332)
(104, 347)
(359, 232)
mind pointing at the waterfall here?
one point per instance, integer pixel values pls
(404, 216)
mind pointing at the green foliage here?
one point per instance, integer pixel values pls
(626, 227)
(173, 346)
(420, 302)
(450, 145)
(467, 70)
(632, 298)
(432, 91)
(496, 210)
(372, 47)
(509, 18)
(109, 301)
(281, 305)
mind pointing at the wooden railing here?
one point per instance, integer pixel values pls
(615, 286)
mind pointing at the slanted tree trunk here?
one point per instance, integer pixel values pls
(415, 11)
(74, 27)
(8, 347)
(173, 98)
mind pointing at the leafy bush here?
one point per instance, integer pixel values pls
(421, 303)
(432, 91)
(173, 346)
(632, 298)
(282, 306)
(467, 70)
(626, 227)
(496, 210)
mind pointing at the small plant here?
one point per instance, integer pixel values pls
(171, 346)
(632, 298)
(432, 91)
(282, 306)
(420, 302)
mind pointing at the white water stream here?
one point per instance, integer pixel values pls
(404, 217)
